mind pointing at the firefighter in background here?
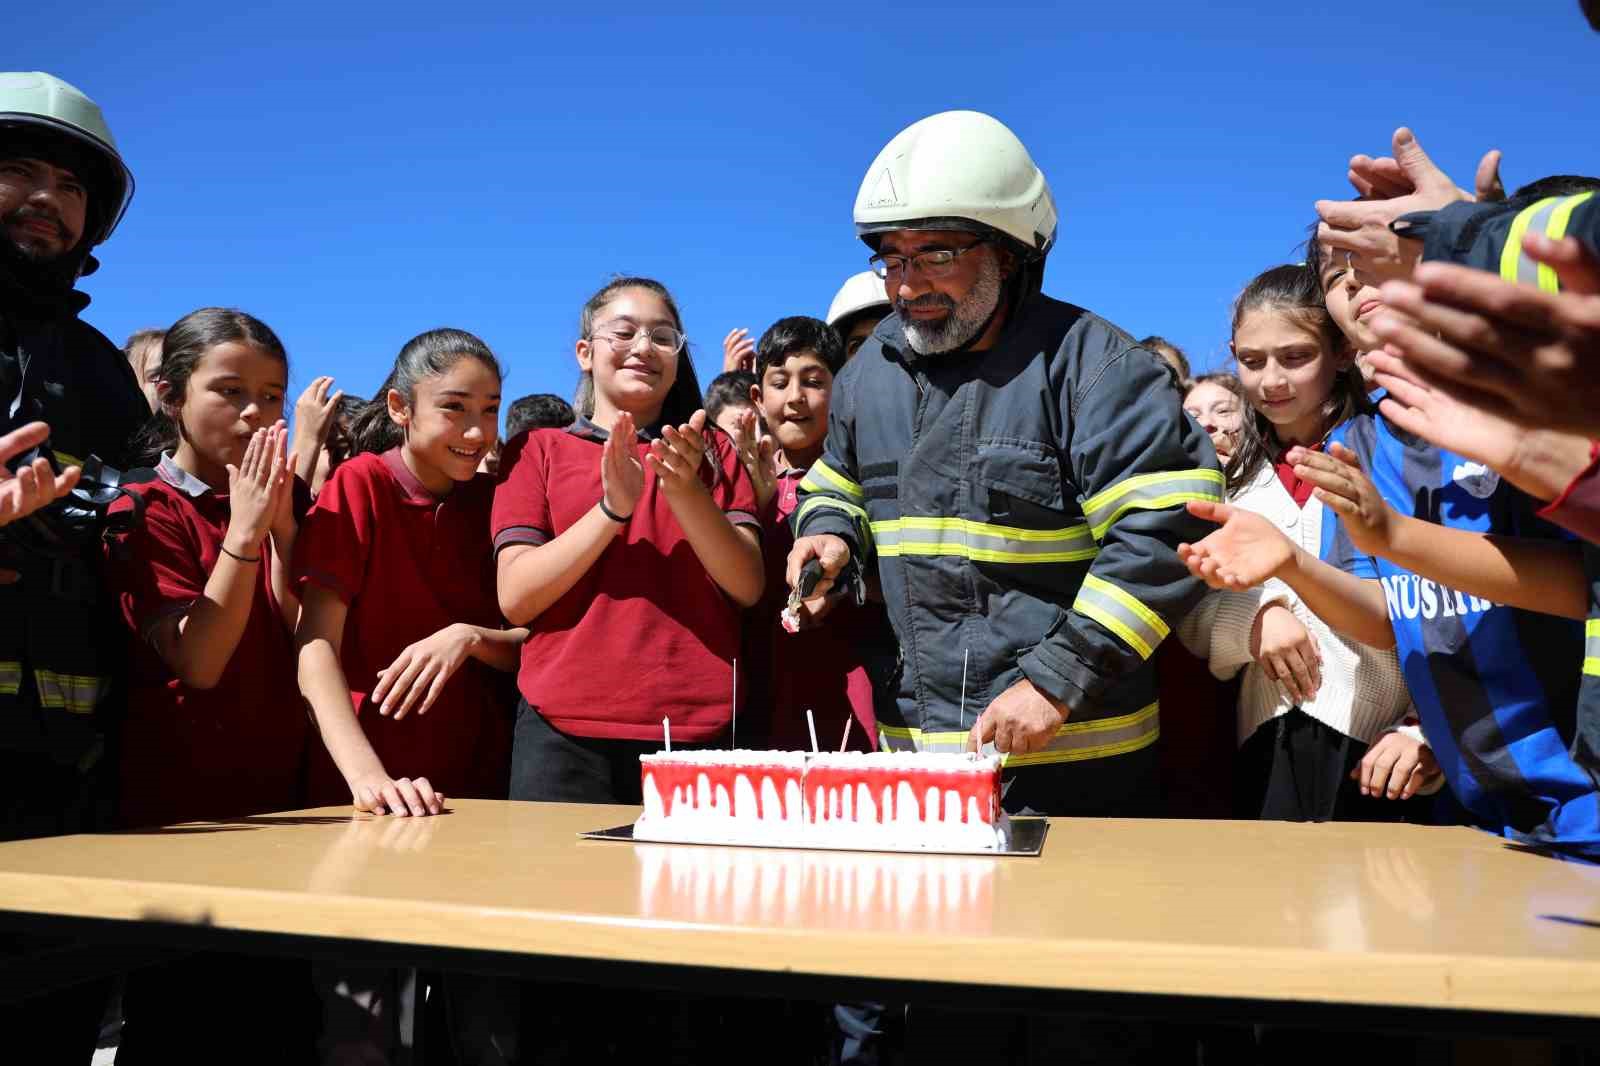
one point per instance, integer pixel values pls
(1016, 470)
(63, 188)
(857, 308)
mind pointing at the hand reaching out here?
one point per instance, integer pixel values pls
(738, 351)
(1343, 486)
(1246, 551)
(35, 485)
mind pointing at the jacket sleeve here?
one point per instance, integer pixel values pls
(831, 497)
(1489, 236)
(1218, 628)
(1136, 459)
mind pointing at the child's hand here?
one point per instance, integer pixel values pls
(1246, 551)
(621, 475)
(1287, 651)
(422, 670)
(313, 415)
(378, 793)
(677, 456)
(1396, 766)
(253, 490)
(759, 456)
(1341, 485)
(738, 351)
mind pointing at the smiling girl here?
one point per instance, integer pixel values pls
(400, 636)
(1311, 702)
(627, 543)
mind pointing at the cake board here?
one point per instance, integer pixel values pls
(1024, 837)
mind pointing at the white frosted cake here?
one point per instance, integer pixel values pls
(878, 800)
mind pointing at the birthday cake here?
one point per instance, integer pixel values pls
(897, 801)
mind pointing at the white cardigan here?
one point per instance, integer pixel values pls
(1363, 693)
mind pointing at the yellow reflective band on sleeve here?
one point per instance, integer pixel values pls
(1591, 647)
(64, 459)
(1555, 229)
(1073, 742)
(1515, 266)
(982, 542)
(1137, 625)
(1150, 492)
(74, 693)
(10, 678)
(812, 503)
(822, 478)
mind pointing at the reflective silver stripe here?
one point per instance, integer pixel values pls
(982, 541)
(10, 678)
(1073, 742)
(68, 692)
(1591, 647)
(1555, 229)
(1515, 265)
(1155, 491)
(1137, 625)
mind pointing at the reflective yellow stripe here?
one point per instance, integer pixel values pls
(10, 678)
(857, 515)
(1150, 492)
(1591, 647)
(75, 693)
(1516, 267)
(1556, 229)
(1073, 742)
(822, 477)
(1139, 627)
(65, 459)
(981, 541)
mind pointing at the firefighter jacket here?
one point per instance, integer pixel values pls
(1488, 236)
(1023, 507)
(59, 641)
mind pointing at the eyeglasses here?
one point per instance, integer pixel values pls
(938, 263)
(663, 339)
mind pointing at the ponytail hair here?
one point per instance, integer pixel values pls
(1294, 290)
(683, 399)
(424, 356)
(182, 348)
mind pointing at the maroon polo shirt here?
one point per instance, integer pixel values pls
(821, 668)
(189, 754)
(408, 564)
(644, 633)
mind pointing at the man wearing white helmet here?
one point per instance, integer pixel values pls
(63, 188)
(1016, 468)
(857, 308)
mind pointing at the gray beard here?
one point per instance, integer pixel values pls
(963, 322)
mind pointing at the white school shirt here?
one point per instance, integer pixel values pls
(1363, 693)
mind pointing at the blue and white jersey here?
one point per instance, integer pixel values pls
(1496, 687)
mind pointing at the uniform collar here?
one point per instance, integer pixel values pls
(180, 479)
(413, 490)
(585, 427)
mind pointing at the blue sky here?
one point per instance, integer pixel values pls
(356, 173)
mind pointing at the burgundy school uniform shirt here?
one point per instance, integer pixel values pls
(408, 564)
(822, 668)
(645, 633)
(189, 754)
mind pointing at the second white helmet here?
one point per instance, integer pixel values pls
(860, 292)
(958, 170)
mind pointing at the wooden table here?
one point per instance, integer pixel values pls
(1253, 919)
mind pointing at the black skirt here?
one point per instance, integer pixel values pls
(1297, 769)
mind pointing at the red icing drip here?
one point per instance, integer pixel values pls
(672, 776)
(883, 783)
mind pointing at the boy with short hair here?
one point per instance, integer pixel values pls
(824, 669)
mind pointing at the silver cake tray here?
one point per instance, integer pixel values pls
(1023, 836)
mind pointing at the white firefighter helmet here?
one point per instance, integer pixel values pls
(958, 170)
(860, 292)
(33, 102)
